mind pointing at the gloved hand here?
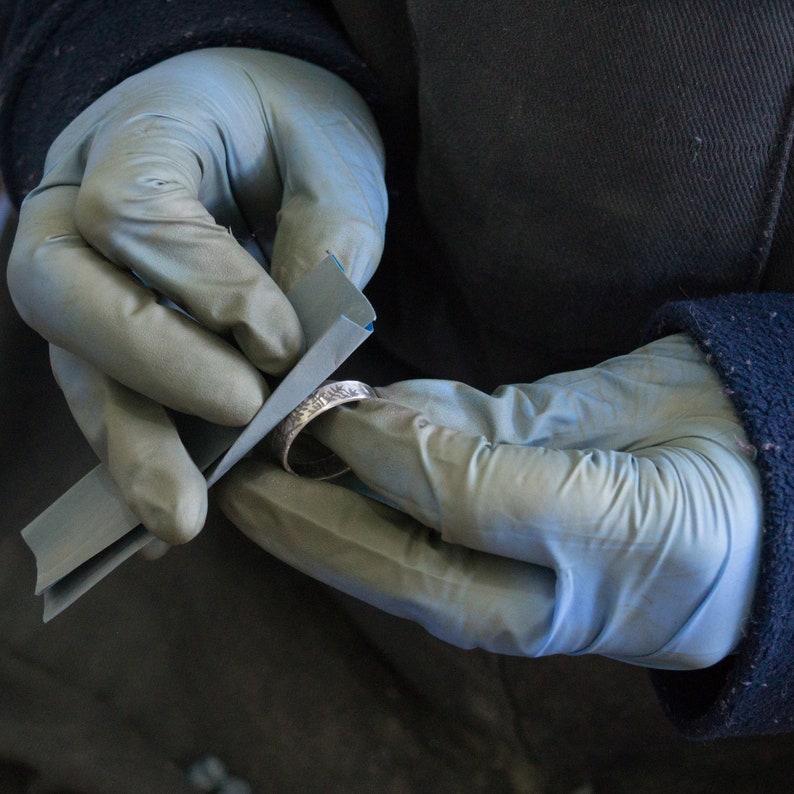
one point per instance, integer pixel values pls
(615, 510)
(160, 181)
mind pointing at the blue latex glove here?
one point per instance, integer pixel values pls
(615, 511)
(172, 175)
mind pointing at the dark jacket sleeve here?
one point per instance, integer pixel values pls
(748, 339)
(61, 56)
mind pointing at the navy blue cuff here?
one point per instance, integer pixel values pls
(749, 339)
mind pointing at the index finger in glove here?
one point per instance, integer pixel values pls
(81, 302)
(547, 506)
(140, 204)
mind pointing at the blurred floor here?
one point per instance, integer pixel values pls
(217, 648)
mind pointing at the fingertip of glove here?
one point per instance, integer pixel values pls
(155, 549)
(234, 400)
(271, 336)
(175, 523)
(172, 507)
(284, 352)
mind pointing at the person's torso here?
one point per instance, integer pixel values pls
(580, 164)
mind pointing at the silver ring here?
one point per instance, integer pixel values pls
(318, 463)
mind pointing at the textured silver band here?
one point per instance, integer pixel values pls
(322, 399)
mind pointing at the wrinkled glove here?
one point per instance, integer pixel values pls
(152, 193)
(615, 510)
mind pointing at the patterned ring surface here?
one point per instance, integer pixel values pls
(322, 399)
